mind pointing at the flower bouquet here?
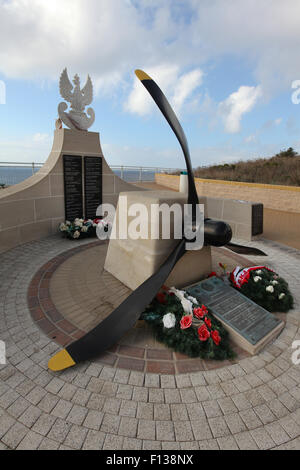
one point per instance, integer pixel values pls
(183, 325)
(81, 228)
(264, 287)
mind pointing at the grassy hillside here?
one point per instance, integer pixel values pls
(283, 168)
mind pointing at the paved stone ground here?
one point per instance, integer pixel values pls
(66, 302)
(249, 405)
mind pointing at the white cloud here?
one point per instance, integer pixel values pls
(187, 83)
(109, 39)
(250, 138)
(178, 88)
(32, 148)
(41, 137)
(236, 105)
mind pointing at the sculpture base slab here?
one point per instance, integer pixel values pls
(134, 261)
(250, 326)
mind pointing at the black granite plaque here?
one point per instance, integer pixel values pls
(234, 309)
(92, 185)
(257, 219)
(73, 187)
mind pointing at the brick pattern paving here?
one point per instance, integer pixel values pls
(65, 312)
(254, 404)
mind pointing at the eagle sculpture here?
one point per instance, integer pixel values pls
(79, 99)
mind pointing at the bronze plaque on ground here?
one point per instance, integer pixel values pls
(250, 325)
(73, 187)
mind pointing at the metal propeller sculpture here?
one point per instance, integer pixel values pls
(124, 317)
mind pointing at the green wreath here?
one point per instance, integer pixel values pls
(167, 318)
(267, 289)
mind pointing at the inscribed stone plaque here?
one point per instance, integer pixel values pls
(73, 186)
(235, 311)
(92, 185)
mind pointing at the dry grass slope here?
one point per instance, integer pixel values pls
(282, 169)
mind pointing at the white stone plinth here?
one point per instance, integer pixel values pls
(134, 261)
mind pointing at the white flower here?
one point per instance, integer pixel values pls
(270, 289)
(179, 293)
(63, 227)
(84, 229)
(259, 271)
(274, 283)
(169, 320)
(193, 300)
(78, 222)
(187, 306)
(281, 296)
(68, 223)
(76, 234)
(257, 278)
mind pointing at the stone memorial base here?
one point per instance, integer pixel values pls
(134, 261)
(250, 348)
(250, 326)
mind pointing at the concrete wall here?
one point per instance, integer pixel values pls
(283, 198)
(34, 208)
(281, 204)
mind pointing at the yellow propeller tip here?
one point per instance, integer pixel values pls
(61, 361)
(141, 75)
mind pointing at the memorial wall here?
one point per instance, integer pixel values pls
(34, 208)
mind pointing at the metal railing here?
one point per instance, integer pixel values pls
(15, 172)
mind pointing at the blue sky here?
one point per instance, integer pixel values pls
(226, 66)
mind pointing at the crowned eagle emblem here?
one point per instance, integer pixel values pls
(79, 99)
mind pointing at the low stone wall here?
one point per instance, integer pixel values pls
(282, 198)
(281, 204)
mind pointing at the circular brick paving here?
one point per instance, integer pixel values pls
(64, 319)
(254, 404)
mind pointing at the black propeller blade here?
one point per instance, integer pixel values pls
(244, 250)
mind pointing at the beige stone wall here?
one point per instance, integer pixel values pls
(283, 198)
(282, 227)
(34, 208)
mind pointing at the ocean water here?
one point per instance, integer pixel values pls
(14, 175)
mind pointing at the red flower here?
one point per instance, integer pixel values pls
(186, 322)
(212, 274)
(203, 333)
(216, 337)
(199, 313)
(161, 297)
(204, 309)
(208, 322)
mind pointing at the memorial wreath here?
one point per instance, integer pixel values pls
(179, 322)
(262, 285)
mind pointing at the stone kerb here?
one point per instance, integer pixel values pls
(34, 208)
